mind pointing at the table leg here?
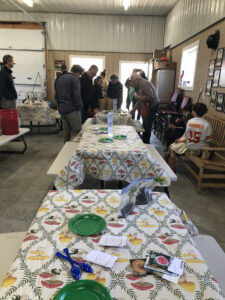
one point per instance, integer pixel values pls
(25, 144)
(17, 152)
(102, 184)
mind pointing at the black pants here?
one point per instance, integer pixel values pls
(147, 123)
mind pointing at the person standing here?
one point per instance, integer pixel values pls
(86, 92)
(97, 91)
(68, 98)
(145, 94)
(105, 82)
(64, 69)
(8, 94)
(115, 90)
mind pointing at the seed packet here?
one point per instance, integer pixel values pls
(165, 264)
(138, 267)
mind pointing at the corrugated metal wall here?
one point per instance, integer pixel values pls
(189, 17)
(98, 32)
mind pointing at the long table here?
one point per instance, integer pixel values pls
(122, 160)
(37, 114)
(118, 118)
(5, 139)
(38, 274)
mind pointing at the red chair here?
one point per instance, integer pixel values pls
(173, 102)
(184, 102)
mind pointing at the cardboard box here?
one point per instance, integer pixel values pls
(164, 65)
(159, 53)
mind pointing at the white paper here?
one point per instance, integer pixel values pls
(176, 266)
(113, 241)
(171, 278)
(101, 258)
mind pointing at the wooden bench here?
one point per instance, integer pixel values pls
(163, 164)
(211, 171)
(4, 139)
(62, 158)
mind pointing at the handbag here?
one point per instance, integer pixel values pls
(145, 108)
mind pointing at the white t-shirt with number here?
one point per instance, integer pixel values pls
(198, 133)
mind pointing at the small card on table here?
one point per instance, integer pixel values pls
(101, 258)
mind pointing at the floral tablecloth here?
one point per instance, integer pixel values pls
(123, 160)
(38, 274)
(118, 119)
(37, 113)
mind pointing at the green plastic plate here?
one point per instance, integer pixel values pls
(106, 140)
(103, 128)
(83, 290)
(120, 137)
(87, 224)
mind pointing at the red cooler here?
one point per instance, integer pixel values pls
(10, 124)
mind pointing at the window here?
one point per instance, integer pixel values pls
(125, 71)
(86, 61)
(188, 66)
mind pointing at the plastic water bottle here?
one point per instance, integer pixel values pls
(110, 124)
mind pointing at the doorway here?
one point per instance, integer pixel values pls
(125, 71)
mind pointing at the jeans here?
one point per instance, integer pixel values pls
(7, 103)
(71, 125)
(147, 123)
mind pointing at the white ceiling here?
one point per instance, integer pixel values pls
(138, 7)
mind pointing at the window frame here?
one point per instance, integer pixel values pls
(189, 88)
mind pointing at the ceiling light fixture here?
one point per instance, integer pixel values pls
(28, 2)
(126, 4)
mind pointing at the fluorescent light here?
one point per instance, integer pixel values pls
(126, 4)
(28, 2)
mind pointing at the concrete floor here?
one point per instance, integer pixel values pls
(24, 184)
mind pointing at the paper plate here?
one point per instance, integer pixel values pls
(87, 224)
(120, 137)
(105, 140)
(83, 290)
(103, 128)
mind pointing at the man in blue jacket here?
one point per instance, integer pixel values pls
(8, 94)
(68, 98)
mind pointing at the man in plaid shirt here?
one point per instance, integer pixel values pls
(68, 98)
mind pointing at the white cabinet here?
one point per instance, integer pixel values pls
(165, 84)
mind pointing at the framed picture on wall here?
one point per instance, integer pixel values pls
(216, 78)
(219, 57)
(220, 102)
(211, 67)
(208, 87)
(222, 73)
(58, 63)
(213, 98)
